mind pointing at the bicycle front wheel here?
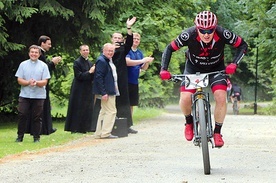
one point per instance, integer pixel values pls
(203, 135)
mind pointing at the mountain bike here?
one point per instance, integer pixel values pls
(201, 112)
(235, 106)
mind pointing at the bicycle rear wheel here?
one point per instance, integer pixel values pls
(203, 135)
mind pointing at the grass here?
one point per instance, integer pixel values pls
(265, 108)
(8, 131)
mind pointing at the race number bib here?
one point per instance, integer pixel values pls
(193, 81)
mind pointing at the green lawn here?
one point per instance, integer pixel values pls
(8, 131)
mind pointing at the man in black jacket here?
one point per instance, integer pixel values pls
(119, 59)
(81, 102)
(45, 44)
(106, 88)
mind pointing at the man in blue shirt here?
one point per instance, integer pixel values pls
(32, 75)
(135, 63)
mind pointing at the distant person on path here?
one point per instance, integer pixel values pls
(136, 62)
(236, 92)
(32, 75)
(106, 89)
(81, 102)
(206, 41)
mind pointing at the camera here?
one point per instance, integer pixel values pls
(120, 43)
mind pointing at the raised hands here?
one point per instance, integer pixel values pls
(130, 22)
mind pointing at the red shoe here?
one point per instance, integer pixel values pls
(218, 140)
(189, 131)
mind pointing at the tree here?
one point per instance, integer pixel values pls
(73, 23)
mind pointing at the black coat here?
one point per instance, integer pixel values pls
(122, 101)
(81, 102)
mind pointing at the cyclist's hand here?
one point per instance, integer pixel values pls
(231, 68)
(165, 75)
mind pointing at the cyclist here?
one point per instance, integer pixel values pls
(206, 41)
(236, 92)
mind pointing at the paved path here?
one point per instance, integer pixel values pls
(157, 154)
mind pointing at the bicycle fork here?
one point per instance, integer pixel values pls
(205, 97)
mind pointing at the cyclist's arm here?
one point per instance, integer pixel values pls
(231, 91)
(166, 57)
(180, 41)
(241, 50)
(241, 91)
(241, 94)
(235, 41)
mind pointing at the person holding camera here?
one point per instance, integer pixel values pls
(122, 47)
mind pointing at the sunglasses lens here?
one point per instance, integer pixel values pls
(204, 31)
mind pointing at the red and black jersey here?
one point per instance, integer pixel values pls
(205, 56)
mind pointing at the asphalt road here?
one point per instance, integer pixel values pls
(157, 154)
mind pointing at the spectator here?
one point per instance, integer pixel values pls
(119, 59)
(33, 76)
(122, 47)
(45, 44)
(106, 88)
(135, 63)
(81, 102)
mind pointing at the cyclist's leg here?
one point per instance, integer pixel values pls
(185, 102)
(220, 107)
(232, 99)
(238, 101)
(219, 86)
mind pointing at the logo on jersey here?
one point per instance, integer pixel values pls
(227, 34)
(185, 36)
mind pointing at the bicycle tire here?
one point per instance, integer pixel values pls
(235, 107)
(204, 138)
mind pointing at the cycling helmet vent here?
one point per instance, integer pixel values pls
(206, 20)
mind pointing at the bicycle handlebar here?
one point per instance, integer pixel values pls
(179, 77)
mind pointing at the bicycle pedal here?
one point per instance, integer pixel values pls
(196, 143)
(212, 142)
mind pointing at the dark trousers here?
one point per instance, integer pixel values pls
(30, 107)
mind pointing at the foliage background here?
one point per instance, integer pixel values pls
(73, 23)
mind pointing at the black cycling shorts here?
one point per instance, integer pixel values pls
(238, 97)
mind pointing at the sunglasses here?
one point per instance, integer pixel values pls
(204, 31)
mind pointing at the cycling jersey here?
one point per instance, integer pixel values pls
(204, 57)
(236, 90)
